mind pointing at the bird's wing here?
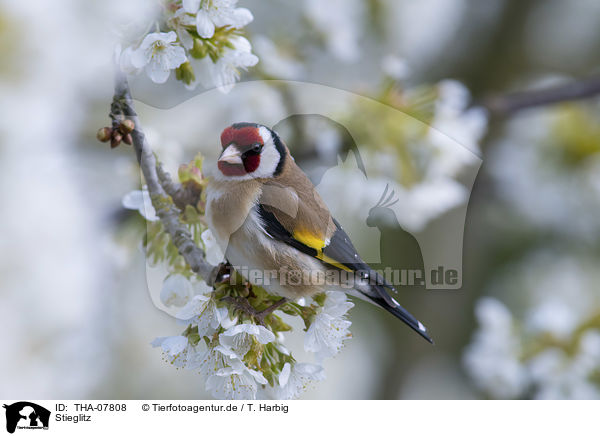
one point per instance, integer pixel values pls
(304, 222)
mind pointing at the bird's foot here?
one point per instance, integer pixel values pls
(223, 273)
(242, 304)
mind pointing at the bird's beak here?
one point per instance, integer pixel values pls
(231, 155)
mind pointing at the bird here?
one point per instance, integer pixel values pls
(267, 215)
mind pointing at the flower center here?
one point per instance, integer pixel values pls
(159, 46)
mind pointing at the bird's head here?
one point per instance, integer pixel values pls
(250, 151)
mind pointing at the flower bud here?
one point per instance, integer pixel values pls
(104, 134)
(185, 73)
(128, 139)
(199, 50)
(126, 126)
(116, 140)
(190, 175)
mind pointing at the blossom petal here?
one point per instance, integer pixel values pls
(169, 37)
(186, 39)
(196, 306)
(204, 25)
(295, 378)
(241, 44)
(228, 352)
(139, 58)
(157, 73)
(261, 334)
(176, 290)
(133, 200)
(140, 201)
(258, 376)
(150, 39)
(214, 254)
(200, 287)
(285, 374)
(191, 6)
(232, 387)
(240, 17)
(174, 345)
(175, 56)
(125, 62)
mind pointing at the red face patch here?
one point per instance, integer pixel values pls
(251, 162)
(243, 136)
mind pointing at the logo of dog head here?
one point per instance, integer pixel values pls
(26, 415)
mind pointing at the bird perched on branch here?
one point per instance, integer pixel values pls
(268, 217)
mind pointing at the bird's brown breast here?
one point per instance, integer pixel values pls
(228, 204)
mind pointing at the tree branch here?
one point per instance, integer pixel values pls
(509, 104)
(182, 195)
(167, 211)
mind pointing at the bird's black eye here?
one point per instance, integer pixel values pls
(256, 147)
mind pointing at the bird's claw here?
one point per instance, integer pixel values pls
(223, 273)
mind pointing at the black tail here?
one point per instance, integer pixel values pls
(382, 299)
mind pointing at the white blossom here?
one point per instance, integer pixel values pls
(227, 377)
(178, 351)
(553, 317)
(124, 59)
(465, 126)
(226, 71)
(492, 359)
(504, 363)
(329, 329)
(178, 23)
(217, 13)
(140, 201)
(158, 54)
(171, 345)
(214, 254)
(203, 312)
(238, 339)
(294, 379)
(176, 290)
(557, 375)
(200, 287)
(540, 182)
(161, 52)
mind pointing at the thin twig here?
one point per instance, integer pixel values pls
(504, 105)
(166, 211)
(181, 195)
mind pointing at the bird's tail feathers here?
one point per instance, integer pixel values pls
(381, 298)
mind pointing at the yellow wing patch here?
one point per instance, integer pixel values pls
(318, 244)
(331, 261)
(307, 238)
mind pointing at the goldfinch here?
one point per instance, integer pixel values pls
(267, 216)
